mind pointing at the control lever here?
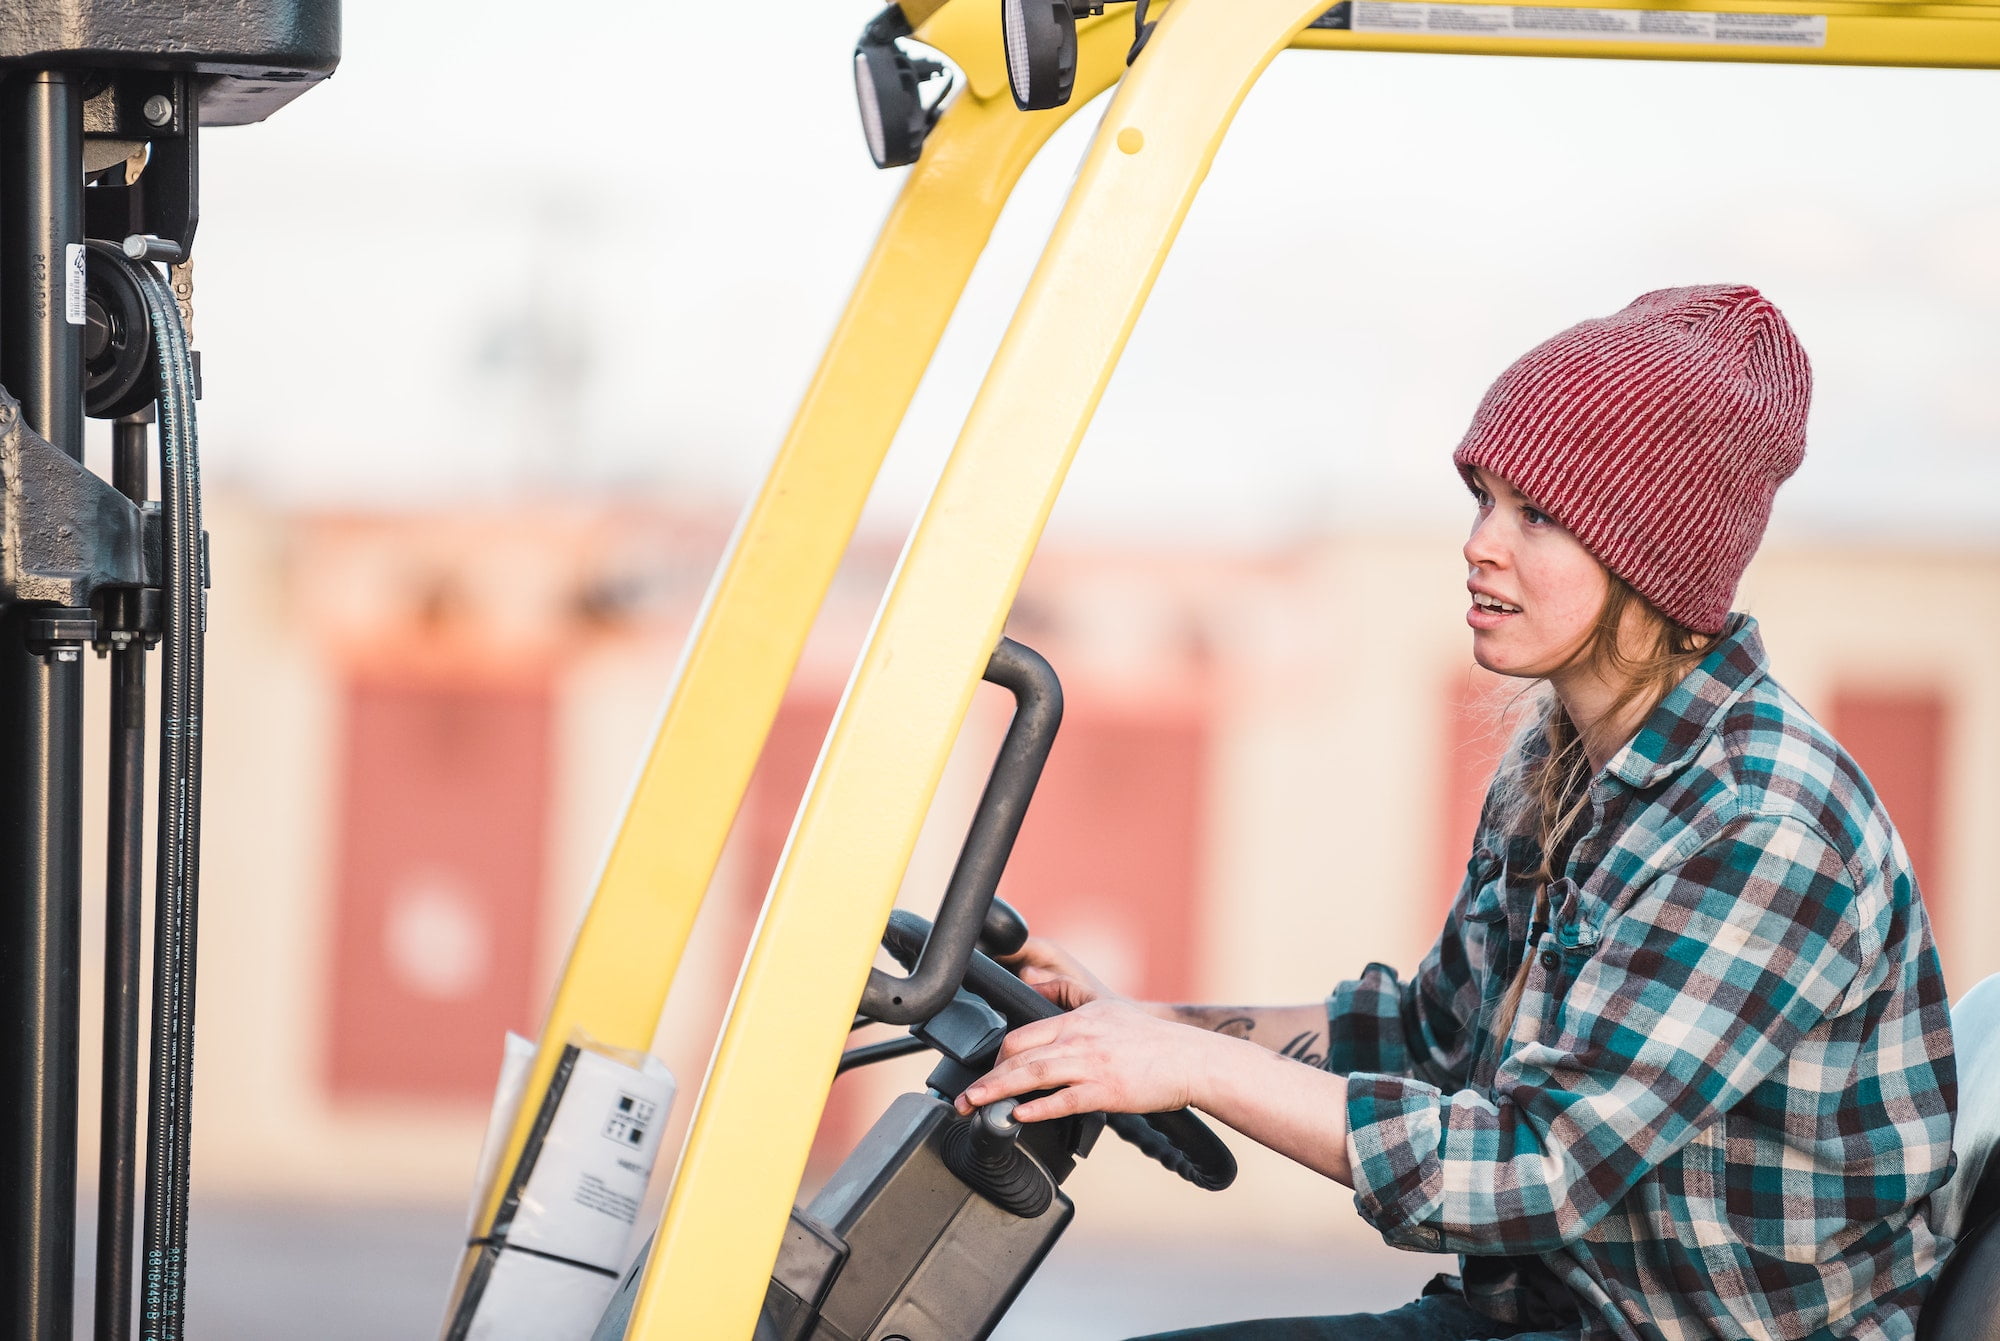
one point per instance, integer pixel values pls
(965, 912)
(984, 1152)
(1004, 932)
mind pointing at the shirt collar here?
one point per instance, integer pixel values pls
(1676, 730)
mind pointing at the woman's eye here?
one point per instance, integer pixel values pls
(1482, 499)
(1536, 517)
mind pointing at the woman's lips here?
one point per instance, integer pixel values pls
(1479, 617)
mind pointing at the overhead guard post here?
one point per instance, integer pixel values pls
(789, 1019)
(753, 623)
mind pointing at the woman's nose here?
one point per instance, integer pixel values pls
(1483, 548)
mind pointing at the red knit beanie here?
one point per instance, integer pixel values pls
(1657, 436)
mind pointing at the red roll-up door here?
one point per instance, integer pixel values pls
(442, 831)
(1109, 860)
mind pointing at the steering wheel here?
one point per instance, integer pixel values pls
(1178, 1140)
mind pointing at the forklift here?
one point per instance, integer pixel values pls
(935, 1222)
(964, 93)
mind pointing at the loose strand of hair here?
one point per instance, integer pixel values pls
(1548, 796)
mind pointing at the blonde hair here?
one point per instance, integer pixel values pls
(1542, 788)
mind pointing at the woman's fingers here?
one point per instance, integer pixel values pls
(1043, 1069)
(1065, 992)
(1038, 1034)
(1107, 1056)
(1063, 1103)
(1037, 953)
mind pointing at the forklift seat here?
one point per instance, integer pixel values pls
(1965, 1306)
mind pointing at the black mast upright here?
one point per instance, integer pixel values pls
(120, 90)
(41, 730)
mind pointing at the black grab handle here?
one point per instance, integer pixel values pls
(940, 967)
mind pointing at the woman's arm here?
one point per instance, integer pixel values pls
(1298, 1111)
(1113, 1056)
(1298, 1032)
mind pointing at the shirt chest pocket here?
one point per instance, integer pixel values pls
(1577, 919)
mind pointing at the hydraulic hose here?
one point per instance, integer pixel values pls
(124, 892)
(163, 1254)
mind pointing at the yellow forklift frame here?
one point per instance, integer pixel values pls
(788, 1020)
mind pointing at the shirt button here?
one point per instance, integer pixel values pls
(1551, 960)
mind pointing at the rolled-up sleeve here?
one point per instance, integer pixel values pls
(1695, 993)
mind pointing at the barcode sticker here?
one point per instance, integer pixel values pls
(73, 307)
(1697, 27)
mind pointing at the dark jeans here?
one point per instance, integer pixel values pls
(1436, 1317)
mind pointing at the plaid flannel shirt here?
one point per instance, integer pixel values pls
(1728, 1091)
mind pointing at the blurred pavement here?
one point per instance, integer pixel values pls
(319, 1273)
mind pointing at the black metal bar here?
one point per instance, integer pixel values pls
(870, 1053)
(41, 133)
(124, 890)
(41, 729)
(988, 842)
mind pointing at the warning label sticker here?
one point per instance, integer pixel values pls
(1544, 22)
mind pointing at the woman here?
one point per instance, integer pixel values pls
(1679, 1065)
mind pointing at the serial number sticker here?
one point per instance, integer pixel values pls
(1700, 27)
(74, 308)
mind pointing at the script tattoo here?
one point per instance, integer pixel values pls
(1234, 1021)
(1305, 1048)
(1237, 1026)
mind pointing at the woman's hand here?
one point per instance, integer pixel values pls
(1111, 1056)
(1107, 1055)
(1058, 975)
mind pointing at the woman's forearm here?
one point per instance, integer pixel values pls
(1298, 1111)
(1297, 1032)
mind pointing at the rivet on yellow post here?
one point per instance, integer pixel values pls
(747, 638)
(944, 612)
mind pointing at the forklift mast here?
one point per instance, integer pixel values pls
(102, 103)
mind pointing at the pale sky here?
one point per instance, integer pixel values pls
(670, 200)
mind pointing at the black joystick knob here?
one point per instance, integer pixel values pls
(984, 1152)
(1003, 932)
(994, 1130)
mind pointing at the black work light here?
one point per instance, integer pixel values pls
(1040, 38)
(891, 85)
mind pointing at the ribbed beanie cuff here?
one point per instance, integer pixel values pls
(1658, 436)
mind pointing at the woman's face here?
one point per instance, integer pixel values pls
(1536, 590)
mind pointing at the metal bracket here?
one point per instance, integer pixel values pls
(65, 534)
(152, 110)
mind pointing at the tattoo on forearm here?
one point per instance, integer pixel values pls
(1307, 1047)
(1231, 1020)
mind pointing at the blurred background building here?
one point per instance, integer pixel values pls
(482, 408)
(1267, 775)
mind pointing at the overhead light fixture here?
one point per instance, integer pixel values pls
(901, 94)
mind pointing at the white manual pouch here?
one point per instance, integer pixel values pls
(565, 1225)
